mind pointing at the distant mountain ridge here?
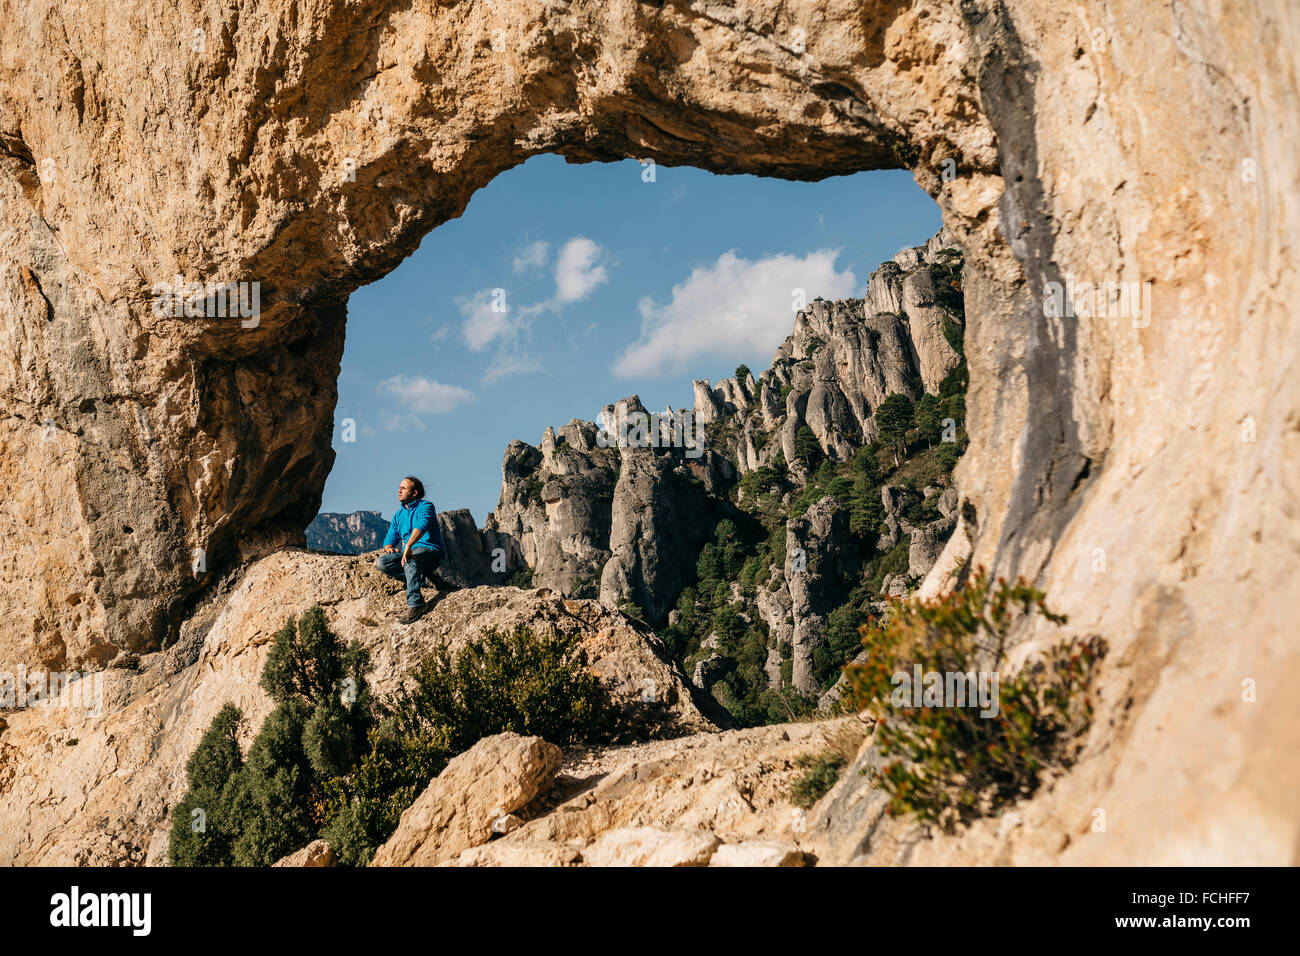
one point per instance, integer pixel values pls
(355, 533)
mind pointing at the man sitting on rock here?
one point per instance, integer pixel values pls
(415, 529)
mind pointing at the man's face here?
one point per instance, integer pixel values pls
(405, 491)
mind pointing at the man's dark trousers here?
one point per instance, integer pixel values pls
(422, 563)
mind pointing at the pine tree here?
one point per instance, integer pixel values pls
(806, 446)
(893, 419)
(929, 419)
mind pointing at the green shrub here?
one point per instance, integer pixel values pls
(928, 419)
(947, 456)
(762, 479)
(519, 681)
(363, 807)
(952, 764)
(866, 510)
(946, 277)
(521, 579)
(895, 561)
(210, 772)
(956, 382)
(632, 610)
(726, 623)
(918, 510)
(259, 808)
(953, 332)
(821, 772)
(906, 153)
(331, 761)
(842, 643)
(840, 488)
(535, 684)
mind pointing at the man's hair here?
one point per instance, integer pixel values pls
(417, 483)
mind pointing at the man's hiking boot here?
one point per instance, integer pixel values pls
(442, 584)
(413, 614)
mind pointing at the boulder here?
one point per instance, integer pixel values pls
(315, 853)
(501, 853)
(497, 776)
(757, 853)
(651, 846)
(671, 802)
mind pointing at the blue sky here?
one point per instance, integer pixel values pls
(564, 287)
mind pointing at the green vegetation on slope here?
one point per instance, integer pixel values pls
(331, 761)
(952, 763)
(718, 623)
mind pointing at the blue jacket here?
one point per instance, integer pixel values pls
(415, 514)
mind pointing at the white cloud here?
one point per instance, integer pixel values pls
(420, 396)
(403, 422)
(487, 318)
(491, 320)
(729, 310)
(577, 271)
(531, 256)
(506, 365)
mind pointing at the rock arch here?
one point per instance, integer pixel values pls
(1101, 141)
(310, 146)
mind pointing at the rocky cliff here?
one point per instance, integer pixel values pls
(623, 510)
(1138, 464)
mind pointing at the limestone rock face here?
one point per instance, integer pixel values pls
(615, 513)
(311, 160)
(775, 607)
(819, 556)
(660, 520)
(459, 808)
(196, 440)
(554, 512)
(467, 562)
(935, 356)
(708, 407)
(627, 523)
(926, 544)
(846, 356)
